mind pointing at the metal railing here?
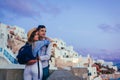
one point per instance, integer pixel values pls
(8, 56)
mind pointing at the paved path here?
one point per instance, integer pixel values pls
(63, 75)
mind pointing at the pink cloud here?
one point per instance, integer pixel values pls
(28, 8)
(19, 7)
(104, 54)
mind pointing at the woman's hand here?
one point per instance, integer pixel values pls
(31, 62)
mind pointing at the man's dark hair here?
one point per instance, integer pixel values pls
(40, 26)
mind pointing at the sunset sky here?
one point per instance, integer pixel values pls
(91, 26)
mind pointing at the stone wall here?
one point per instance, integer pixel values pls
(80, 72)
(73, 74)
(63, 75)
(11, 74)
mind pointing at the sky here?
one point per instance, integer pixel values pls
(90, 26)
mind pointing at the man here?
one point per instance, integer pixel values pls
(44, 57)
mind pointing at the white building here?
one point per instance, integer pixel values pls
(7, 41)
(3, 35)
(20, 32)
(100, 61)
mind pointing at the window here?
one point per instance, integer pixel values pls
(62, 47)
(8, 36)
(67, 56)
(1, 35)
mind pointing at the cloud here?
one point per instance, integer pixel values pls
(109, 28)
(27, 8)
(117, 27)
(104, 54)
(48, 7)
(19, 7)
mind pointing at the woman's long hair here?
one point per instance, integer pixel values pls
(31, 38)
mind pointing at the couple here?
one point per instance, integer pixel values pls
(37, 38)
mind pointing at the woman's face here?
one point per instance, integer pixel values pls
(36, 37)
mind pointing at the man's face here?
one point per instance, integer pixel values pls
(42, 32)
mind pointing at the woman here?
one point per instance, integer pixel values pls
(31, 71)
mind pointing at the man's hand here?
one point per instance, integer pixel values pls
(38, 58)
(49, 39)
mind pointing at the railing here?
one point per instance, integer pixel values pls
(9, 57)
(0, 49)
